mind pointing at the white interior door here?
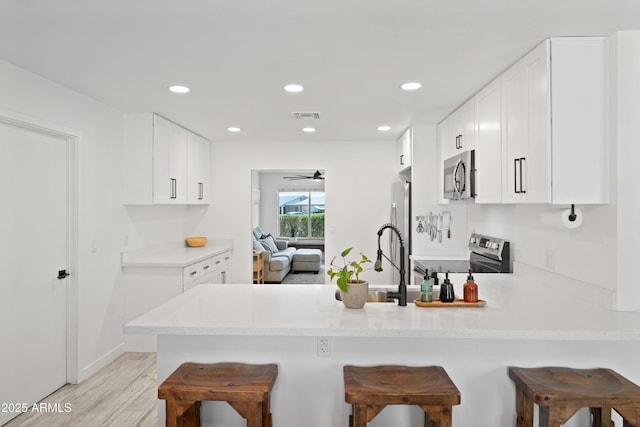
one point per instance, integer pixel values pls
(33, 248)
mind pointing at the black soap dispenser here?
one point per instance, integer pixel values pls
(446, 290)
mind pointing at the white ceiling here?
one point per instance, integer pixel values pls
(236, 55)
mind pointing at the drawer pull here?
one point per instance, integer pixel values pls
(206, 267)
(193, 273)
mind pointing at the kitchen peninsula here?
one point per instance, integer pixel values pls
(526, 322)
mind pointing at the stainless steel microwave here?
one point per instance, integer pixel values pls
(459, 176)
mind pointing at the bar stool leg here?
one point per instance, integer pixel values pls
(601, 417)
(437, 416)
(251, 411)
(266, 412)
(524, 409)
(359, 415)
(188, 412)
(555, 416)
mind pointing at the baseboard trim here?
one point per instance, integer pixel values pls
(100, 363)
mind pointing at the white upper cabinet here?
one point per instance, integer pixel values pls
(540, 129)
(169, 162)
(526, 124)
(198, 160)
(554, 124)
(488, 144)
(462, 129)
(444, 152)
(163, 162)
(404, 150)
(579, 125)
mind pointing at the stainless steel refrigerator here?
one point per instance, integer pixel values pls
(400, 216)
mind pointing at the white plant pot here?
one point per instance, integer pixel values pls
(356, 295)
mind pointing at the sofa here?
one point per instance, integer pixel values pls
(278, 256)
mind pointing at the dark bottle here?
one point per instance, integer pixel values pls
(470, 289)
(446, 290)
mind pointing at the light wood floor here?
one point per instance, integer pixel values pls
(121, 394)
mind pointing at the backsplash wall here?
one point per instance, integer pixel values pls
(586, 253)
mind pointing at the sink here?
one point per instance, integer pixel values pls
(380, 295)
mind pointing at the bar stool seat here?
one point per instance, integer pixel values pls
(560, 392)
(370, 389)
(245, 387)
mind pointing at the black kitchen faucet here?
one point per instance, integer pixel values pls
(401, 295)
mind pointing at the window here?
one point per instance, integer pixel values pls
(301, 214)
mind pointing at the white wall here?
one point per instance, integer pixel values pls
(626, 131)
(99, 213)
(358, 192)
(424, 192)
(101, 216)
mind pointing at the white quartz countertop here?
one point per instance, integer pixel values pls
(172, 255)
(516, 308)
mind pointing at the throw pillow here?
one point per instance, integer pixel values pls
(272, 244)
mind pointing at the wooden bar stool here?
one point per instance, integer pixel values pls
(245, 387)
(370, 389)
(561, 392)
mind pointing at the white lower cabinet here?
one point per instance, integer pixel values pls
(145, 288)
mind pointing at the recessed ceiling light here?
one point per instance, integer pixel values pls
(294, 87)
(233, 129)
(384, 128)
(308, 130)
(179, 89)
(411, 86)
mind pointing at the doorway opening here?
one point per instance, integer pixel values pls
(289, 206)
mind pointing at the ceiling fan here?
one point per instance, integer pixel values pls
(317, 176)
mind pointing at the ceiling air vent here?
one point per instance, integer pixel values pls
(306, 115)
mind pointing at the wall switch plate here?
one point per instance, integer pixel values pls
(324, 347)
(550, 260)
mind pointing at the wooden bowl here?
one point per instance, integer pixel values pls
(196, 242)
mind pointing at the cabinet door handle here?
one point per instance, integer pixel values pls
(200, 191)
(460, 141)
(522, 162)
(457, 141)
(173, 188)
(516, 164)
(401, 159)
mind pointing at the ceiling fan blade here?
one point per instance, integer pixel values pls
(317, 176)
(297, 177)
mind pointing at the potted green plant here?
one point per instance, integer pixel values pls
(353, 291)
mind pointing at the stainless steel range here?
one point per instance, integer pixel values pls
(488, 255)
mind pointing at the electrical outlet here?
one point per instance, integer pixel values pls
(324, 346)
(550, 259)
